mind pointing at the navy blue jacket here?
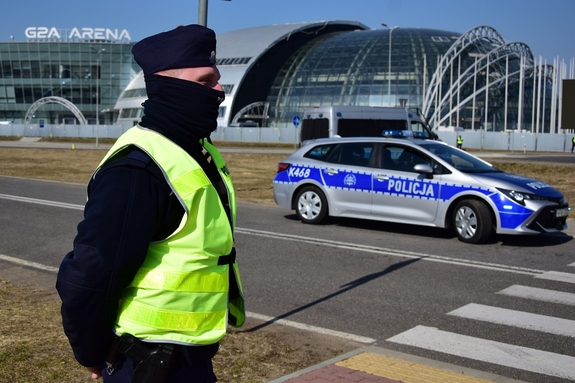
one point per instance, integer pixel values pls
(129, 205)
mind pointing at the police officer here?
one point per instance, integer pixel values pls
(572, 144)
(151, 283)
(459, 142)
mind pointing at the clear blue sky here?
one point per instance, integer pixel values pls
(547, 26)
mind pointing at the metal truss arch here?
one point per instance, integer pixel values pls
(466, 40)
(58, 100)
(254, 111)
(470, 38)
(483, 64)
(492, 55)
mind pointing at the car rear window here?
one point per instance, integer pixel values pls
(357, 154)
(321, 152)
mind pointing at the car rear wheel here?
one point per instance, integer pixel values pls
(472, 221)
(311, 205)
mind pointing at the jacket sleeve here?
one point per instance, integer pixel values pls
(127, 207)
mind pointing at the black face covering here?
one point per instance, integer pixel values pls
(184, 111)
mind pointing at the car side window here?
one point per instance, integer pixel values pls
(401, 158)
(321, 152)
(356, 153)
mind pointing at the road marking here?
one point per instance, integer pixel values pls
(557, 276)
(23, 262)
(528, 359)
(284, 322)
(514, 318)
(392, 252)
(538, 294)
(337, 244)
(319, 330)
(42, 202)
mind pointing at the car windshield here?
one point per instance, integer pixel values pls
(419, 130)
(462, 161)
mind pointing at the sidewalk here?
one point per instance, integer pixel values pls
(377, 365)
(35, 143)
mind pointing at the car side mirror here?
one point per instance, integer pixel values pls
(424, 169)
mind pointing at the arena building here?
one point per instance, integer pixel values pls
(471, 80)
(65, 76)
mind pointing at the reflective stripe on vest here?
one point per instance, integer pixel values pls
(181, 293)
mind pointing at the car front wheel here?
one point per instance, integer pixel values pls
(472, 221)
(311, 205)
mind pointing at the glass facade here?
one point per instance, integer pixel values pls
(353, 68)
(91, 75)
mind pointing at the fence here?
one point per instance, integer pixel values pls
(478, 139)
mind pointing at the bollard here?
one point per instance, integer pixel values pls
(73, 146)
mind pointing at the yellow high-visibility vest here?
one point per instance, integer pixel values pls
(181, 293)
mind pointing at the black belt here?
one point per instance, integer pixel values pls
(152, 359)
(227, 259)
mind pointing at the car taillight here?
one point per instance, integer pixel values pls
(282, 166)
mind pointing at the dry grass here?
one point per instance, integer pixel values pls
(252, 173)
(561, 177)
(33, 348)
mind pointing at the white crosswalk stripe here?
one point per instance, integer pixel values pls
(516, 318)
(509, 355)
(541, 362)
(538, 294)
(557, 276)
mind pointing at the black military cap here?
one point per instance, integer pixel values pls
(184, 47)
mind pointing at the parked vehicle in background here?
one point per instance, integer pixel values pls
(415, 181)
(362, 121)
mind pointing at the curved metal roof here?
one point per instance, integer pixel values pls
(233, 44)
(238, 51)
(246, 46)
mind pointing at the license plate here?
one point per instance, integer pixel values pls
(561, 212)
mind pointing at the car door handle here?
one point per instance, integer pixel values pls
(331, 171)
(381, 177)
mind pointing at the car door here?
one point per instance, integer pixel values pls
(347, 177)
(399, 193)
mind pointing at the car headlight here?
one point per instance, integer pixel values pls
(520, 197)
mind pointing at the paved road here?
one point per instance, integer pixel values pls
(416, 291)
(505, 308)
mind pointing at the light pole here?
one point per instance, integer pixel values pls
(389, 62)
(99, 52)
(203, 12)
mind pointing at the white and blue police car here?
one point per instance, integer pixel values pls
(414, 181)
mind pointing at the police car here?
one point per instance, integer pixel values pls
(414, 181)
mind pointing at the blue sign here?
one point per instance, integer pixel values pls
(41, 123)
(296, 121)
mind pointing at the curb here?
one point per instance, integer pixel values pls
(387, 366)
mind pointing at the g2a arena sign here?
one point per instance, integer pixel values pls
(77, 34)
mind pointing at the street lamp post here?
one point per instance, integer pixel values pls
(99, 52)
(203, 12)
(389, 62)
